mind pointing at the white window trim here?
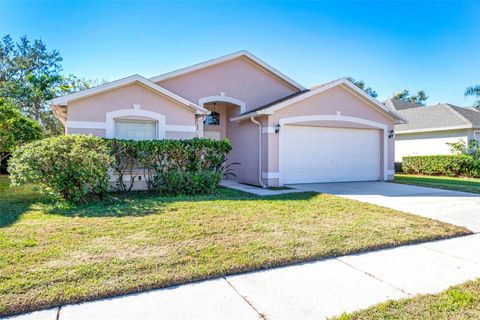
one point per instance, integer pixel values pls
(476, 135)
(337, 117)
(85, 125)
(110, 120)
(102, 126)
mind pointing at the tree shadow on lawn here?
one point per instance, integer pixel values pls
(140, 203)
(14, 203)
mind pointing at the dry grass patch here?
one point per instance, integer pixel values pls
(52, 253)
(460, 302)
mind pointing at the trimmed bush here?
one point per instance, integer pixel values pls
(444, 165)
(169, 166)
(74, 166)
(175, 182)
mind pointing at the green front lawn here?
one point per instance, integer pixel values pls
(457, 303)
(52, 253)
(449, 183)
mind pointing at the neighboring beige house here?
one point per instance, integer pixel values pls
(281, 132)
(430, 128)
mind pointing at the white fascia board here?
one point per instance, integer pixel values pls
(393, 114)
(123, 82)
(228, 57)
(434, 129)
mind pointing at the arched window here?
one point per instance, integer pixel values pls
(212, 119)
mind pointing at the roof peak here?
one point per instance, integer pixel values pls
(226, 58)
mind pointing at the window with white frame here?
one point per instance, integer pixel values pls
(135, 129)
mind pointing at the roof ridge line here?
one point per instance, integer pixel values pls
(197, 66)
(451, 107)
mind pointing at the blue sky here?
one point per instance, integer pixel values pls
(433, 45)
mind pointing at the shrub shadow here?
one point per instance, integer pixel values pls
(140, 203)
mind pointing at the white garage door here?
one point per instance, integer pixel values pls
(320, 154)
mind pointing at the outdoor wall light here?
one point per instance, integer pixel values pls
(277, 128)
(391, 134)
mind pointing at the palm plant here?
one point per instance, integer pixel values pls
(475, 92)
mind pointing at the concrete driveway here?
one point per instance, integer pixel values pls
(459, 208)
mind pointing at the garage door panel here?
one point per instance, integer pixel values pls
(319, 154)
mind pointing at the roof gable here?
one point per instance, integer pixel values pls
(64, 100)
(240, 54)
(350, 87)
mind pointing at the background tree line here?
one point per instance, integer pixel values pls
(30, 75)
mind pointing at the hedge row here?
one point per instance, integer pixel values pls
(169, 165)
(78, 167)
(444, 165)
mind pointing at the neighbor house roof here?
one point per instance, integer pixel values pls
(270, 108)
(235, 55)
(401, 105)
(64, 100)
(439, 117)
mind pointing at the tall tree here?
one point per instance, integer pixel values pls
(419, 98)
(361, 84)
(474, 91)
(15, 129)
(30, 75)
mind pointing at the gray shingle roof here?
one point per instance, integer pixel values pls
(291, 96)
(400, 104)
(442, 115)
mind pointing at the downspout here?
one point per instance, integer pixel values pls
(259, 152)
(197, 123)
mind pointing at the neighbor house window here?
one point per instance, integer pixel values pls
(135, 129)
(212, 119)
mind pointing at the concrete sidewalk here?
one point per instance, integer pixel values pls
(306, 291)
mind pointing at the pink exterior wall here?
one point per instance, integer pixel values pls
(244, 139)
(239, 78)
(95, 107)
(327, 103)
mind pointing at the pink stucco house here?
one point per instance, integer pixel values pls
(281, 132)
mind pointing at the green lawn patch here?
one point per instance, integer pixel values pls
(449, 183)
(457, 303)
(52, 253)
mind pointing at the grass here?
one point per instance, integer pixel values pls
(458, 302)
(52, 253)
(449, 183)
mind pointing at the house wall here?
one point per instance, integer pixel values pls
(239, 78)
(244, 137)
(90, 112)
(332, 102)
(428, 143)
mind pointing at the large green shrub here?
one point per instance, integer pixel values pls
(445, 165)
(77, 166)
(169, 166)
(74, 166)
